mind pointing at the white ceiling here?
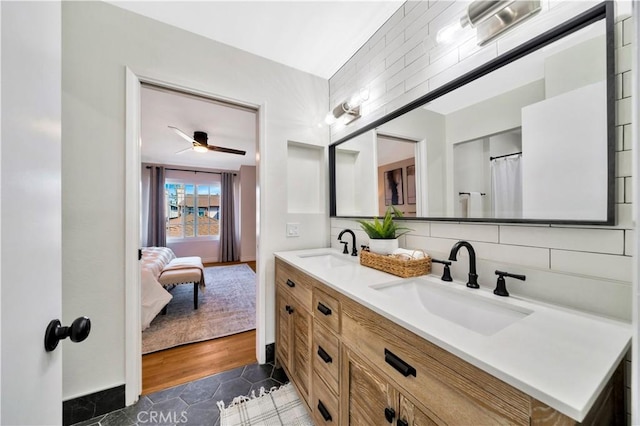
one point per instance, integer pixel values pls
(317, 37)
(226, 126)
(313, 36)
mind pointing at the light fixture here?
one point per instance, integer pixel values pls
(490, 18)
(348, 110)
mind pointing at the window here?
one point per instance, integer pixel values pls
(193, 210)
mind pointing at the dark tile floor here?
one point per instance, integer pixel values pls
(194, 403)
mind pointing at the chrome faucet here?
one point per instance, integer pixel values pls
(473, 276)
(354, 251)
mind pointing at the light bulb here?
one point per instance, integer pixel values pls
(330, 119)
(200, 148)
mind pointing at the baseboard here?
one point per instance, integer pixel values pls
(247, 259)
(270, 352)
(89, 406)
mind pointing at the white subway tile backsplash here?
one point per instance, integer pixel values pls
(627, 137)
(487, 233)
(624, 57)
(620, 190)
(619, 138)
(533, 257)
(623, 111)
(624, 163)
(629, 242)
(626, 84)
(580, 239)
(618, 84)
(419, 228)
(628, 190)
(467, 64)
(628, 31)
(592, 264)
(618, 36)
(624, 216)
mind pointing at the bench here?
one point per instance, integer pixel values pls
(171, 270)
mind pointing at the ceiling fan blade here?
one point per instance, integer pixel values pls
(184, 150)
(182, 134)
(226, 150)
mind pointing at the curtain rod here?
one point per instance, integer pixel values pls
(506, 155)
(194, 171)
(468, 193)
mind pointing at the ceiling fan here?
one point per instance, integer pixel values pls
(199, 141)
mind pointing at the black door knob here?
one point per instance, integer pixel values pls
(77, 332)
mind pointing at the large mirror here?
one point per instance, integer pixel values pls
(526, 138)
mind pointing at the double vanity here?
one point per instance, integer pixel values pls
(366, 347)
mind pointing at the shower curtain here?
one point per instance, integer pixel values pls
(506, 186)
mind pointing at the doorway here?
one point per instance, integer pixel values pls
(178, 147)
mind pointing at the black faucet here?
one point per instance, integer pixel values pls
(473, 276)
(354, 251)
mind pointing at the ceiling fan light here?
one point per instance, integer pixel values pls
(200, 148)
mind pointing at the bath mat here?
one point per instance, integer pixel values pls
(278, 406)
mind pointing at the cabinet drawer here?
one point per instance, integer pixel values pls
(452, 397)
(326, 356)
(324, 403)
(295, 282)
(326, 310)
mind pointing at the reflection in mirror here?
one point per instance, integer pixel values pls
(528, 141)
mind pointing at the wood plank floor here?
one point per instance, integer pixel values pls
(175, 366)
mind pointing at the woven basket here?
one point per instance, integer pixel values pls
(396, 264)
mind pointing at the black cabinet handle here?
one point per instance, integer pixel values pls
(324, 309)
(402, 423)
(291, 283)
(289, 309)
(325, 414)
(324, 355)
(397, 363)
(389, 414)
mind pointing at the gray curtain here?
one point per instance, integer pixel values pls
(157, 231)
(228, 246)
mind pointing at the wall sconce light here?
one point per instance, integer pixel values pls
(490, 18)
(348, 110)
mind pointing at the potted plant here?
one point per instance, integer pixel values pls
(383, 234)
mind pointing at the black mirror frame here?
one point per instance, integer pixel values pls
(604, 10)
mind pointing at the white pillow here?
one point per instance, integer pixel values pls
(154, 297)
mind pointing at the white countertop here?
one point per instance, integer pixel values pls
(561, 357)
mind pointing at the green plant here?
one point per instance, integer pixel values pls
(386, 229)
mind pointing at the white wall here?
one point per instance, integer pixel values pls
(587, 268)
(98, 41)
(357, 169)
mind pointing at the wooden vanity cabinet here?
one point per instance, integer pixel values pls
(353, 366)
(373, 400)
(294, 326)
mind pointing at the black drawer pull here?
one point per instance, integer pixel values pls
(402, 423)
(289, 309)
(324, 309)
(389, 414)
(291, 283)
(324, 355)
(397, 363)
(325, 414)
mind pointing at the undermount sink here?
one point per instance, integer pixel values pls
(327, 260)
(473, 312)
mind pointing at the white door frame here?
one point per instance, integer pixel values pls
(133, 338)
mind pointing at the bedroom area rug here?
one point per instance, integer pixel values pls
(226, 306)
(279, 406)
